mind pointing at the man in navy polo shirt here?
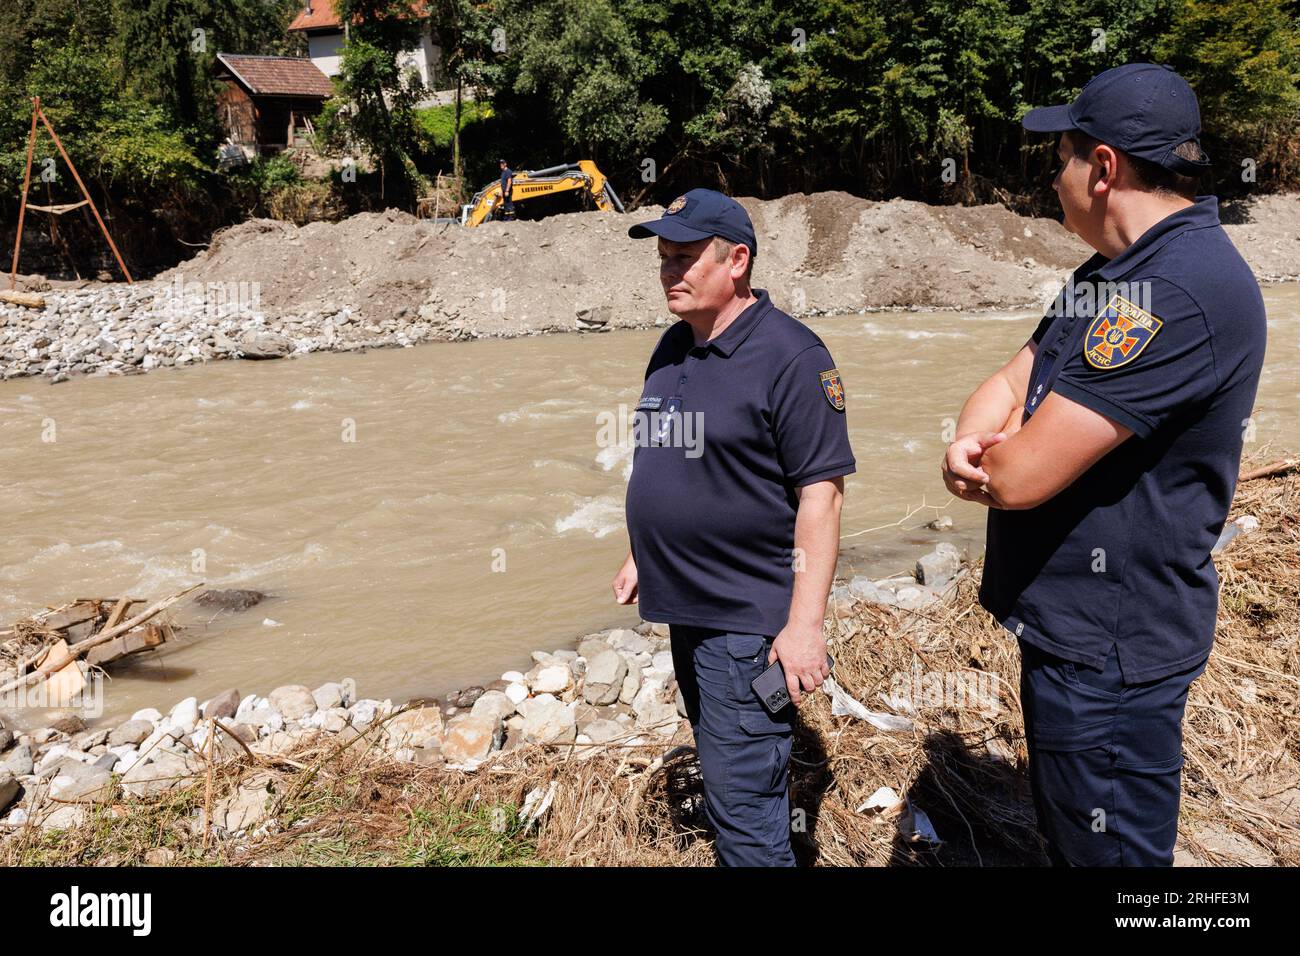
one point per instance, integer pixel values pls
(1108, 450)
(733, 512)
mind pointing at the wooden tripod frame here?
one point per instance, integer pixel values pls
(27, 181)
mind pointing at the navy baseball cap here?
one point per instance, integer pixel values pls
(699, 214)
(1143, 109)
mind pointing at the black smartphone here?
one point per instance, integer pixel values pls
(770, 688)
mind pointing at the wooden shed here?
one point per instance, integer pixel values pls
(268, 100)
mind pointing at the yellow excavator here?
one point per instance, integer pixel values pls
(531, 183)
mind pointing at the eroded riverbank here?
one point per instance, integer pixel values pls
(267, 289)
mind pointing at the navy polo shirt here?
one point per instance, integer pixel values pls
(724, 434)
(1167, 339)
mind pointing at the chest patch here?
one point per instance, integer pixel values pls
(649, 403)
(833, 387)
(1118, 334)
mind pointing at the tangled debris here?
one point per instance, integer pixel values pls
(59, 646)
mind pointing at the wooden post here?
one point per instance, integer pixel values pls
(36, 103)
(22, 208)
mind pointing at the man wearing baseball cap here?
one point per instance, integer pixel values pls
(1107, 450)
(733, 512)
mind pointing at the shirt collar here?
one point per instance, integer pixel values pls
(1202, 213)
(741, 326)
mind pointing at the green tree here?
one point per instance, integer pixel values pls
(377, 92)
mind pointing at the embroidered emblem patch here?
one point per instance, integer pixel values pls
(675, 206)
(1118, 334)
(649, 403)
(833, 387)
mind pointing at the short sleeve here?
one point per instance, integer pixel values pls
(808, 419)
(1140, 363)
(1043, 326)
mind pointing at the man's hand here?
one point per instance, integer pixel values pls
(802, 652)
(625, 583)
(961, 469)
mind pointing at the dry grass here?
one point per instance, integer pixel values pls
(965, 766)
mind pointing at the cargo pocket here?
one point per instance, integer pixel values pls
(748, 659)
(1062, 712)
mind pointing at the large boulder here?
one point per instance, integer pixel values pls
(9, 788)
(652, 711)
(232, 599)
(130, 733)
(495, 704)
(469, 739)
(551, 678)
(76, 782)
(223, 706)
(604, 679)
(247, 806)
(939, 566)
(163, 772)
(293, 701)
(412, 728)
(548, 720)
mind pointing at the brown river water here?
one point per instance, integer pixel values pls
(426, 517)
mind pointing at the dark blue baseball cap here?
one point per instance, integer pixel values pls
(699, 214)
(1143, 109)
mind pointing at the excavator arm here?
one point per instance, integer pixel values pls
(531, 183)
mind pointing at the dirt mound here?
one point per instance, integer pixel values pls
(828, 252)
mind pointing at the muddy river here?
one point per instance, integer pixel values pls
(426, 517)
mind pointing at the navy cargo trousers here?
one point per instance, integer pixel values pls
(1105, 759)
(744, 752)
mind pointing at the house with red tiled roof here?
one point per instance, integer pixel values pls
(268, 101)
(326, 34)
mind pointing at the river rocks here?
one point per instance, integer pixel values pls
(494, 703)
(233, 599)
(130, 732)
(604, 677)
(76, 782)
(630, 642)
(939, 566)
(631, 684)
(604, 730)
(469, 739)
(330, 695)
(223, 706)
(161, 772)
(553, 678)
(185, 715)
(363, 713)
(19, 762)
(652, 711)
(466, 697)
(246, 807)
(412, 728)
(9, 787)
(293, 701)
(548, 720)
(69, 725)
(264, 345)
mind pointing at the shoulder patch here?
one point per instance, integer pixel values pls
(833, 388)
(1118, 334)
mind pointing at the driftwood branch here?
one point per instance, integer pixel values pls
(1266, 471)
(104, 636)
